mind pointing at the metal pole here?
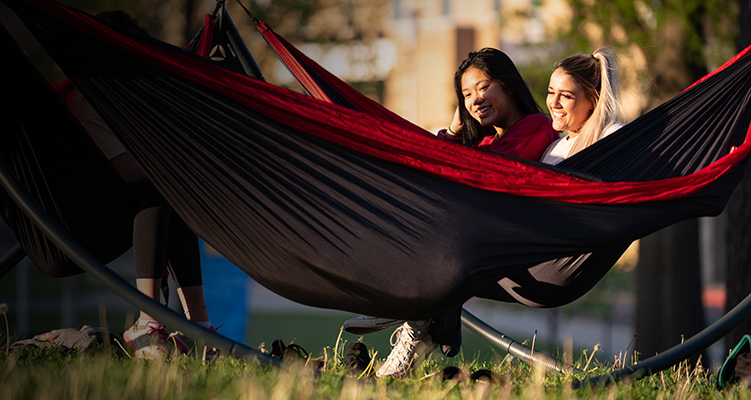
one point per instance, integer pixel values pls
(511, 346)
(11, 259)
(114, 282)
(678, 353)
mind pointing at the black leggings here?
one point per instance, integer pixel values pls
(161, 237)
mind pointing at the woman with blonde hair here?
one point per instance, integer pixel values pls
(583, 102)
(500, 115)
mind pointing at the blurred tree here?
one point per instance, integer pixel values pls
(738, 226)
(681, 41)
(328, 23)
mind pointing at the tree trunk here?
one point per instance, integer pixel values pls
(738, 278)
(669, 307)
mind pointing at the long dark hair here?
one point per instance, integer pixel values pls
(497, 65)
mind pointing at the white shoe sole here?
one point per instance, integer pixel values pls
(359, 326)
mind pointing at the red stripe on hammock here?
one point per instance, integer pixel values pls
(406, 145)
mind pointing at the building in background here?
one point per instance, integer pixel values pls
(431, 38)
(403, 53)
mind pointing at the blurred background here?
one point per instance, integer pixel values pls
(403, 54)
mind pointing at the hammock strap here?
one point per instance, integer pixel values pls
(294, 66)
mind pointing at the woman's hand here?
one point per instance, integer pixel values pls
(456, 125)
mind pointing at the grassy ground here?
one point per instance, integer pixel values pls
(51, 374)
(55, 374)
(66, 374)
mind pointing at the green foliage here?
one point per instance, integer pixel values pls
(319, 21)
(644, 21)
(286, 13)
(680, 40)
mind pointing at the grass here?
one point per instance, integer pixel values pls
(57, 374)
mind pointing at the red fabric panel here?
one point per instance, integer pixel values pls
(407, 145)
(207, 37)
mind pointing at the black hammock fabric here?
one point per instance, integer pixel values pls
(335, 208)
(61, 167)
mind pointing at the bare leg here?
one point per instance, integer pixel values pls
(193, 303)
(151, 288)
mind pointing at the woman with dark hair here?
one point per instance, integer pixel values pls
(500, 115)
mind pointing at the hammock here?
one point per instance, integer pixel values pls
(338, 208)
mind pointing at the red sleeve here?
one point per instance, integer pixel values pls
(443, 134)
(527, 139)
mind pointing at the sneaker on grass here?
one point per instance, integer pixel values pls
(412, 345)
(147, 341)
(366, 324)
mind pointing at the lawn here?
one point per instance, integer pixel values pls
(38, 374)
(56, 374)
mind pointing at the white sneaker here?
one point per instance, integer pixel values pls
(366, 324)
(147, 341)
(412, 345)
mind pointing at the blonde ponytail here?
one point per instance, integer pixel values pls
(603, 93)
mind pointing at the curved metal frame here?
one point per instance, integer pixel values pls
(511, 346)
(654, 364)
(11, 259)
(678, 353)
(114, 282)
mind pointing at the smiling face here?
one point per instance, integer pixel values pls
(568, 105)
(487, 101)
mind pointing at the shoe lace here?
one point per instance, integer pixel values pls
(153, 328)
(402, 335)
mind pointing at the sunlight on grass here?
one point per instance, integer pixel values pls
(64, 374)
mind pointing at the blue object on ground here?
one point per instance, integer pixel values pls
(227, 292)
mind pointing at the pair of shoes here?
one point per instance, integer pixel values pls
(186, 345)
(147, 341)
(366, 324)
(412, 345)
